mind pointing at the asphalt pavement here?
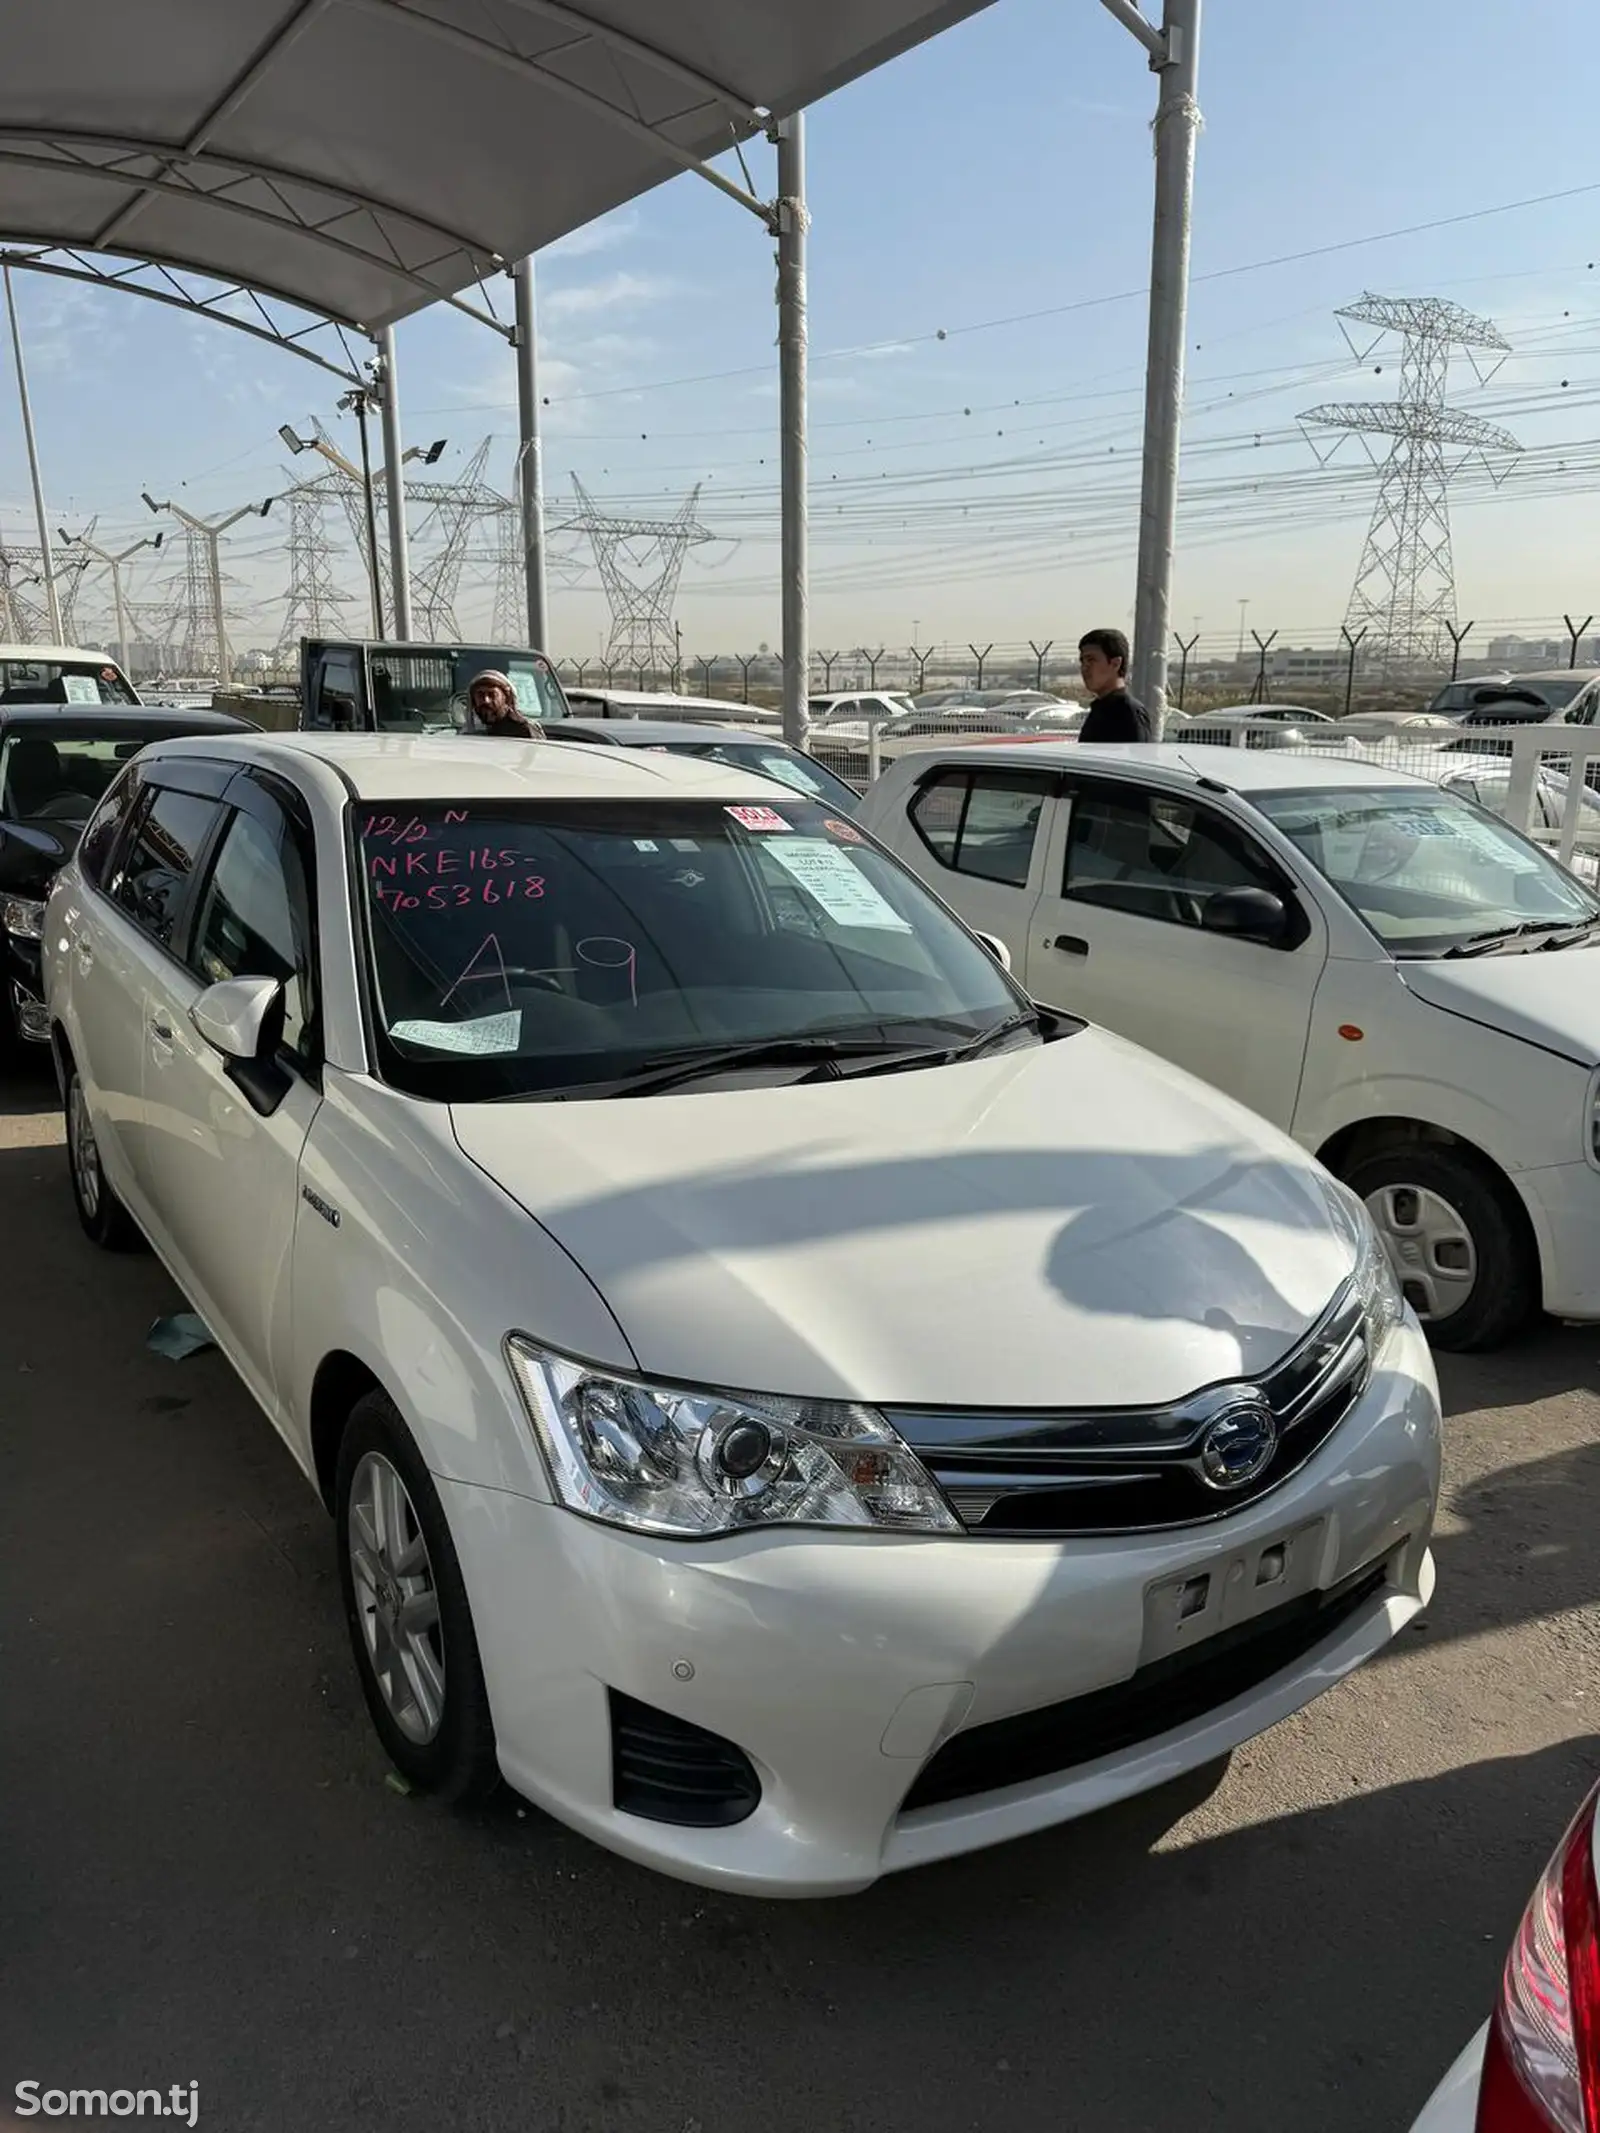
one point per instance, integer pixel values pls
(204, 1876)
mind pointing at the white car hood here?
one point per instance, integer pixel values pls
(1071, 1224)
(1552, 999)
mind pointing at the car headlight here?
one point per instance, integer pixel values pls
(695, 1462)
(1383, 1303)
(21, 916)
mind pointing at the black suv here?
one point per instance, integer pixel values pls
(56, 765)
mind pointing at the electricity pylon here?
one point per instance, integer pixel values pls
(1405, 590)
(641, 607)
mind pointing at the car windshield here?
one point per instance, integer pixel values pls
(1427, 870)
(535, 948)
(62, 681)
(60, 775)
(425, 691)
(787, 765)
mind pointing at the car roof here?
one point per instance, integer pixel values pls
(660, 732)
(376, 766)
(656, 699)
(55, 652)
(1242, 770)
(1557, 674)
(109, 717)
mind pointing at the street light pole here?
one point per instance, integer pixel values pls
(47, 562)
(114, 563)
(211, 532)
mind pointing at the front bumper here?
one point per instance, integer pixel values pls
(839, 1662)
(1453, 2106)
(1564, 1205)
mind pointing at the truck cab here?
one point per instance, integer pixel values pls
(356, 685)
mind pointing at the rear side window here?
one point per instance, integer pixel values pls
(152, 881)
(984, 823)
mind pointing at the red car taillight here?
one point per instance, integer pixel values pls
(1541, 2071)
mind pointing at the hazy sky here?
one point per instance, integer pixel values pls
(979, 251)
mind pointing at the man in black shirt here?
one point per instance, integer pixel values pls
(1114, 715)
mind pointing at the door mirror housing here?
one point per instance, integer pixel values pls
(1247, 915)
(996, 947)
(233, 1016)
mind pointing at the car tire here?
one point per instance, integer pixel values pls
(423, 1680)
(104, 1219)
(1458, 1239)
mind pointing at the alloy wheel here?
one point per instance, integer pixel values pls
(396, 1598)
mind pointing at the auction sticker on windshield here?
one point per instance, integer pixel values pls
(832, 880)
(757, 818)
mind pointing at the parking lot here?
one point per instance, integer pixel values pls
(205, 1877)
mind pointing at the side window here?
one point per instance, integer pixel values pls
(104, 833)
(1156, 857)
(255, 920)
(153, 878)
(335, 706)
(981, 822)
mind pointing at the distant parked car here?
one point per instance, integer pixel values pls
(760, 752)
(1458, 696)
(851, 714)
(56, 764)
(662, 703)
(1402, 981)
(1274, 714)
(60, 674)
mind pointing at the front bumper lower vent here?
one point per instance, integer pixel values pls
(666, 1770)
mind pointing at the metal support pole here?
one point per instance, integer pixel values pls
(370, 501)
(791, 222)
(1457, 639)
(395, 487)
(214, 554)
(122, 616)
(52, 598)
(1177, 123)
(530, 459)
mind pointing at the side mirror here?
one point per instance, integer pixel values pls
(1246, 914)
(996, 947)
(232, 1016)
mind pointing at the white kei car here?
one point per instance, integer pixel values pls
(1535, 2065)
(1378, 966)
(788, 1406)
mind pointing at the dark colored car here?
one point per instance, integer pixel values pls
(718, 744)
(56, 764)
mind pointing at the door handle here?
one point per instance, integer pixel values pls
(161, 1030)
(85, 956)
(1069, 944)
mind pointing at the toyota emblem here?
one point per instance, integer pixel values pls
(1240, 1442)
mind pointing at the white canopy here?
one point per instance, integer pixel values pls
(362, 158)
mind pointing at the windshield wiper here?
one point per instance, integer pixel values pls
(1506, 936)
(822, 1058)
(1583, 930)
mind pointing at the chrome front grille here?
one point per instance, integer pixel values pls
(1118, 1470)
